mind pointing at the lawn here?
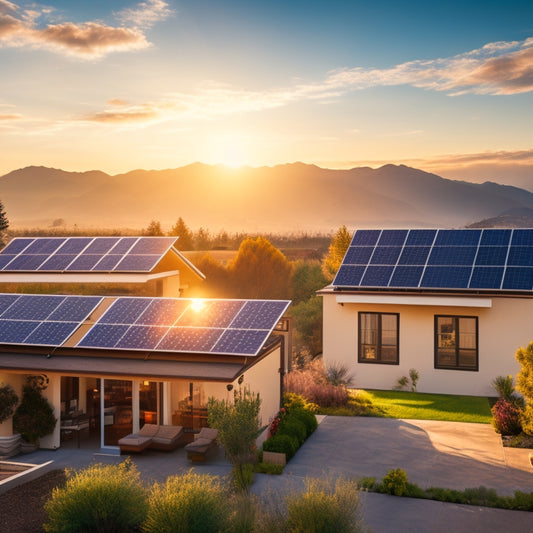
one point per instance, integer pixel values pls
(415, 405)
(398, 404)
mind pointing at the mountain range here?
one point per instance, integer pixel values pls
(285, 198)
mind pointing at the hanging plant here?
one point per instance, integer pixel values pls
(8, 400)
(34, 417)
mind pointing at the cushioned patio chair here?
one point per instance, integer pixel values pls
(137, 442)
(167, 438)
(202, 443)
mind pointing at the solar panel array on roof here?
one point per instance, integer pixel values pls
(234, 327)
(84, 254)
(475, 259)
(34, 319)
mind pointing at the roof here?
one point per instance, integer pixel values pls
(472, 260)
(96, 259)
(118, 325)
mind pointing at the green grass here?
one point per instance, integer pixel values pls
(415, 405)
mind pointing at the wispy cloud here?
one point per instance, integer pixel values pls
(8, 117)
(19, 28)
(145, 14)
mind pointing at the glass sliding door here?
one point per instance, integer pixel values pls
(150, 394)
(117, 411)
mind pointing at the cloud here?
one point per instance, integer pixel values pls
(8, 117)
(19, 28)
(146, 14)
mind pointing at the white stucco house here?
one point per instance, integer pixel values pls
(117, 362)
(453, 304)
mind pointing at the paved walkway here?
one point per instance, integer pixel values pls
(441, 454)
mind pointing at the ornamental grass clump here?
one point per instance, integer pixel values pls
(101, 498)
(191, 503)
(325, 507)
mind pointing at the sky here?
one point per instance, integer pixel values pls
(118, 85)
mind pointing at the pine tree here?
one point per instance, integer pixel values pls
(153, 229)
(184, 234)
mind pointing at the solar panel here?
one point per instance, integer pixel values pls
(167, 324)
(240, 341)
(84, 254)
(51, 333)
(142, 337)
(32, 307)
(16, 331)
(75, 308)
(488, 259)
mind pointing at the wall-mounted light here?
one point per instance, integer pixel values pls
(229, 387)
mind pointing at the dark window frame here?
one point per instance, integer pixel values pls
(457, 331)
(378, 360)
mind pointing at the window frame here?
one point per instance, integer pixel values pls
(457, 330)
(379, 345)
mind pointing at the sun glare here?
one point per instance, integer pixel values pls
(197, 305)
(229, 149)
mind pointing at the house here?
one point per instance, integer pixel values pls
(454, 304)
(117, 362)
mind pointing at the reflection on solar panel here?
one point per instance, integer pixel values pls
(477, 259)
(84, 254)
(235, 327)
(35, 319)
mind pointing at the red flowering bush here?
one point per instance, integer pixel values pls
(506, 418)
(274, 424)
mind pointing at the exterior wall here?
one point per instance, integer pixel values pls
(503, 328)
(264, 378)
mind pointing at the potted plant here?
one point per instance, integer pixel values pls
(34, 417)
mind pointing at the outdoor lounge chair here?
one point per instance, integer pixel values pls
(202, 443)
(152, 436)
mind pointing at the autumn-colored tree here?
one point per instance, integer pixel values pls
(153, 229)
(260, 271)
(4, 222)
(184, 234)
(217, 283)
(337, 249)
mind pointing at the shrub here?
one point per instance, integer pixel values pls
(395, 482)
(8, 400)
(106, 498)
(268, 468)
(506, 418)
(504, 386)
(338, 374)
(323, 508)
(191, 503)
(243, 476)
(290, 425)
(292, 401)
(307, 418)
(282, 444)
(34, 417)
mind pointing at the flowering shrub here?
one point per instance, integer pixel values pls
(274, 424)
(506, 417)
(395, 482)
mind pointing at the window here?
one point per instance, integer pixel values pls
(456, 341)
(378, 338)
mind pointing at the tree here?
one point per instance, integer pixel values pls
(217, 283)
(4, 222)
(260, 270)
(524, 384)
(8, 401)
(238, 427)
(337, 249)
(307, 318)
(153, 229)
(307, 278)
(184, 234)
(202, 239)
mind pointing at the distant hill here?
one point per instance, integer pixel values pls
(516, 218)
(283, 198)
